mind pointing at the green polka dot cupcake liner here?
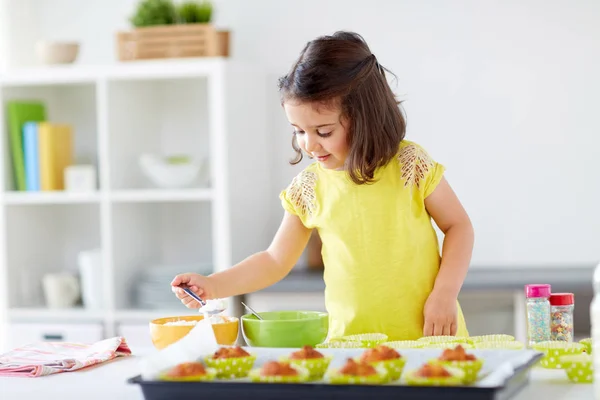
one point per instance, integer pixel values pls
(470, 369)
(340, 344)
(368, 340)
(579, 368)
(335, 378)
(448, 345)
(404, 344)
(490, 338)
(588, 345)
(514, 345)
(230, 368)
(442, 339)
(393, 367)
(456, 379)
(210, 375)
(316, 367)
(554, 350)
(302, 376)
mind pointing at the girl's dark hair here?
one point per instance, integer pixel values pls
(340, 69)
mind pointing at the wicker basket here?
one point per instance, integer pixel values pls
(172, 41)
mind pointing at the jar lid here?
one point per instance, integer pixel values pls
(562, 299)
(537, 290)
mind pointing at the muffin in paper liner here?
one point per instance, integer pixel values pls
(514, 345)
(447, 345)
(340, 344)
(368, 340)
(469, 368)
(393, 367)
(588, 345)
(490, 338)
(579, 368)
(443, 339)
(381, 377)
(230, 368)
(316, 367)
(404, 344)
(303, 376)
(455, 380)
(554, 350)
(210, 375)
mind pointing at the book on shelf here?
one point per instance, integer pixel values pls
(19, 113)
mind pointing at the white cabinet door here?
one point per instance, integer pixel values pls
(20, 334)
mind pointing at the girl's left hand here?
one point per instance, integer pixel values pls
(440, 314)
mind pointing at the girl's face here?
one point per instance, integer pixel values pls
(320, 131)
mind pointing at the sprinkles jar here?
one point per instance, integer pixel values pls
(538, 313)
(561, 312)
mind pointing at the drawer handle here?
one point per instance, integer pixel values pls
(57, 336)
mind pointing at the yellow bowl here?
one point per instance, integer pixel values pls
(163, 335)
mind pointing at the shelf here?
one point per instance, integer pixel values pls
(143, 70)
(157, 195)
(36, 314)
(23, 198)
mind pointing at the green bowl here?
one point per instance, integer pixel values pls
(554, 350)
(291, 329)
(579, 368)
(588, 345)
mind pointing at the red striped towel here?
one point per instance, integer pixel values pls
(46, 358)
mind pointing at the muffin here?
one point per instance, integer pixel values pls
(358, 373)
(310, 359)
(279, 372)
(385, 357)
(231, 362)
(458, 358)
(189, 371)
(434, 374)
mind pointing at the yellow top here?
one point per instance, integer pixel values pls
(380, 249)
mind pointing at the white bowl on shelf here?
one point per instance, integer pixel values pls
(57, 52)
(170, 174)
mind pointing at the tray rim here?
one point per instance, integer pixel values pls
(137, 379)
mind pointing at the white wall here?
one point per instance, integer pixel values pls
(503, 93)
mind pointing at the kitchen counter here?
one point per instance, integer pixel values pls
(108, 381)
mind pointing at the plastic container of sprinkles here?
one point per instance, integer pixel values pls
(538, 313)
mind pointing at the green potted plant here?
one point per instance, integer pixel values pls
(164, 29)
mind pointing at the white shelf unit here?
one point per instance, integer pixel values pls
(118, 112)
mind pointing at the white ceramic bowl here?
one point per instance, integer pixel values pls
(169, 175)
(57, 52)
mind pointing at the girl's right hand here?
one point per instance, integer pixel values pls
(201, 285)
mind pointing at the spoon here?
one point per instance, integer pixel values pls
(251, 310)
(202, 302)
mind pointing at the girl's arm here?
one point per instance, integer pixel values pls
(449, 215)
(266, 267)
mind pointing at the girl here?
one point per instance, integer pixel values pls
(370, 194)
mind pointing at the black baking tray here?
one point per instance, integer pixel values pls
(160, 390)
